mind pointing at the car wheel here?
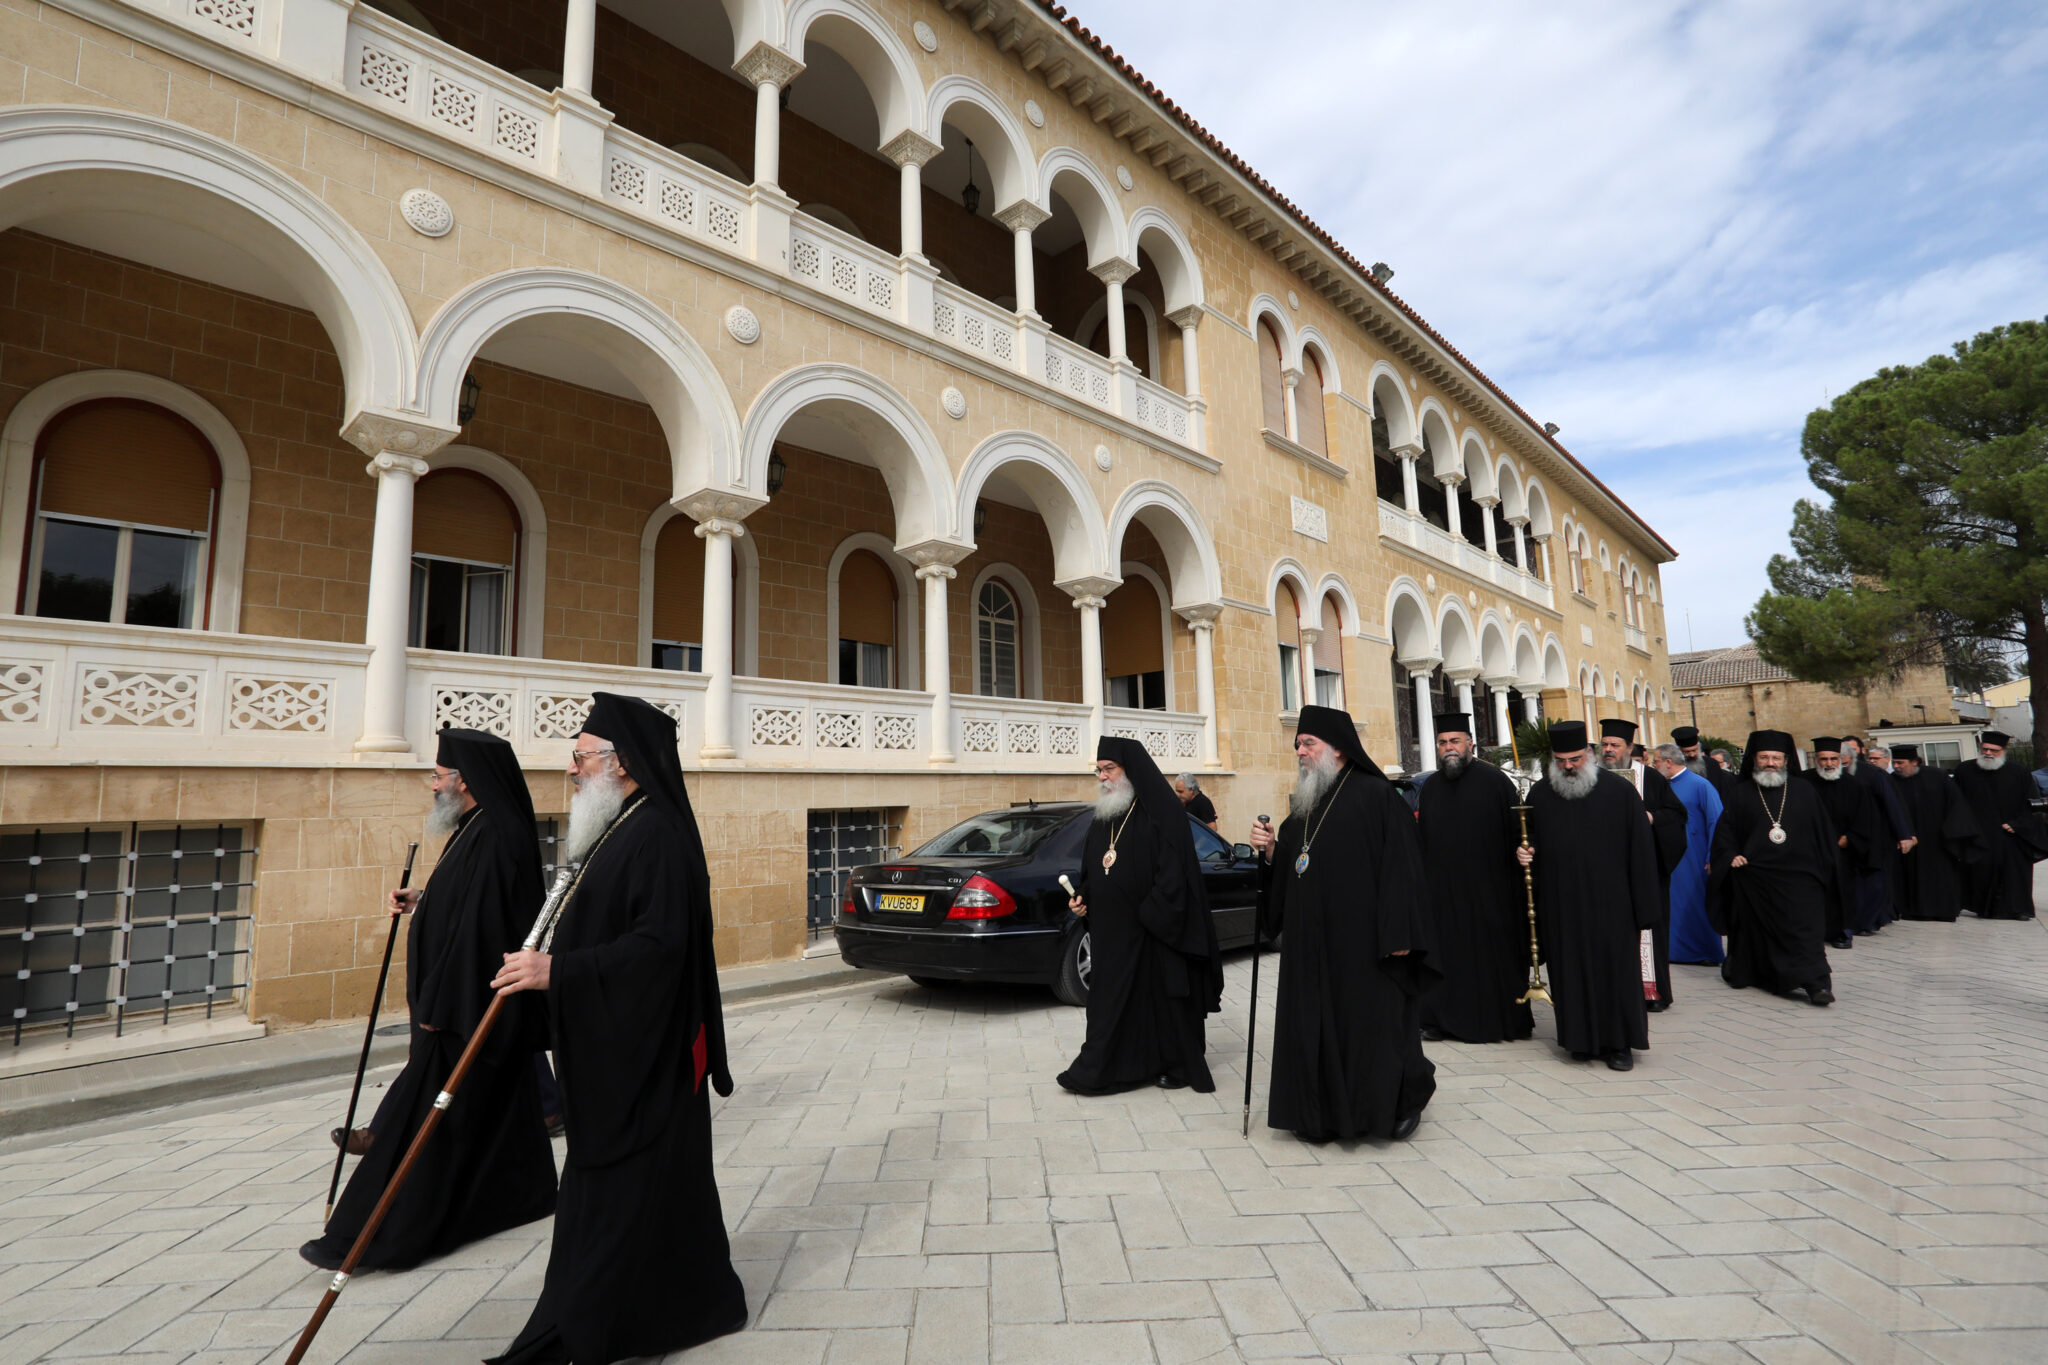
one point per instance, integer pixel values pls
(931, 983)
(1077, 965)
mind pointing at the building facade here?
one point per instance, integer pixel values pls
(902, 394)
(1734, 691)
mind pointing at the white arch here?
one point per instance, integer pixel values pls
(1528, 659)
(1183, 536)
(663, 362)
(1537, 502)
(1131, 568)
(530, 585)
(870, 46)
(1312, 339)
(1288, 570)
(1101, 222)
(899, 441)
(1030, 656)
(1409, 621)
(1266, 306)
(1446, 457)
(1513, 503)
(979, 114)
(1460, 642)
(746, 594)
(75, 160)
(229, 538)
(1383, 382)
(909, 607)
(1478, 468)
(1180, 270)
(1084, 331)
(1347, 604)
(1053, 482)
(1496, 659)
(1554, 665)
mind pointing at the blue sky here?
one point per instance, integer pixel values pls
(1673, 229)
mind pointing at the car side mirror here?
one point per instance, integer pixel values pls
(1242, 852)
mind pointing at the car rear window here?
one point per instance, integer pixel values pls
(1000, 834)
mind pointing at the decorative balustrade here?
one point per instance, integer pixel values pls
(1166, 412)
(1636, 638)
(826, 258)
(813, 725)
(1170, 737)
(973, 324)
(394, 66)
(1441, 545)
(1074, 369)
(538, 705)
(672, 190)
(1017, 735)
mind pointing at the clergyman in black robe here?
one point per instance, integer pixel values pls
(1687, 738)
(488, 1166)
(640, 1263)
(1949, 839)
(1478, 903)
(1156, 969)
(2001, 880)
(1860, 836)
(1877, 902)
(1773, 874)
(1668, 818)
(1343, 879)
(1595, 864)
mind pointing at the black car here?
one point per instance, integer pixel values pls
(983, 902)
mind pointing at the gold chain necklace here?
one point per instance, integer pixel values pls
(1301, 863)
(1777, 834)
(1109, 858)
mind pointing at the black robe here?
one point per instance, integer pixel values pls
(1775, 909)
(1596, 891)
(1931, 876)
(640, 1263)
(489, 1165)
(1146, 1000)
(1723, 780)
(1860, 832)
(1479, 906)
(1668, 834)
(2000, 882)
(1347, 1036)
(1879, 903)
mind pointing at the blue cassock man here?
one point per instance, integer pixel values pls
(1692, 938)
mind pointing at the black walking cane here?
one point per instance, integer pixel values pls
(348, 1125)
(1251, 1032)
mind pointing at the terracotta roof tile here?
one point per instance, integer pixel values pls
(1724, 668)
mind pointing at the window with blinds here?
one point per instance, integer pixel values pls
(1308, 406)
(1329, 657)
(997, 622)
(678, 606)
(465, 542)
(1287, 620)
(1133, 652)
(867, 622)
(1272, 391)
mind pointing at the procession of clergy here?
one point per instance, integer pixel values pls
(1400, 925)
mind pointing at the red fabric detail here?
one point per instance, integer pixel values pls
(697, 1059)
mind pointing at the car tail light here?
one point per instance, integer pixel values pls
(850, 907)
(980, 898)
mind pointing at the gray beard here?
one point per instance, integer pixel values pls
(1621, 767)
(1116, 798)
(591, 810)
(1698, 765)
(1313, 785)
(1764, 779)
(1848, 765)
(1453, 766)
(1573, 786)
(1829, 774)
(1991, 765)
(444, 813)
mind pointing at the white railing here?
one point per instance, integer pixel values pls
(672, 190)
(1166, 412)
(1169, 736)
(816, 725)
(1074, 369)
(1011, 733)
(91, 690)
(973, 324)
(396, 67)
(538, 705)
(826, 258)
(1441, 545)
(1636, 638)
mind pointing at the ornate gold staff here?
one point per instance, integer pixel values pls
(1523, 782)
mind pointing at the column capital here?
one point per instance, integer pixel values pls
(935, 553)
(1451, 478)
(1022, 216)
(706, 506)
(720, 526)
(1290, 378)
(1421, 663)
(1115, 270)
(928, 572)
(385, 462)
(1502, 682)
(767, 64)
(1311, 634)
(376, 432)
(1462, 675)
(1090, 591)
(1519, 519)
(1411, 450)
(1200, 616)
(1186, 318)
(910, 149)
(1486, 500)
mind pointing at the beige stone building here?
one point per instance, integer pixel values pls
(901, 394)
(1734, 691)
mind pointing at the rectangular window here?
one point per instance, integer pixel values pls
(838, 842)
(1329, 688)
(1290, 677)
(1138, 691)
(124, 574)
(864, 665)
(459, 606)
(677, 657)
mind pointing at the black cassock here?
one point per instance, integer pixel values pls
(1878, 900)
(1479, 906)
(2000, 883)
(1596, 891)
(1347, 1034)
(1668, 834)
(1775, 910)
(1146, 998)
(489, 1165)
(1856, 817)
(1931, 876)
(640, 1263)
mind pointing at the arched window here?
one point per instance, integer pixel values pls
(678, 621)
(1431, 499)
(998, 623)
(1386, 468)
(1329, 656)
(1308, 405)
(126, 499)
(1133, 647)
(1272, 390)
(867, 622)
(465, 541)
(1287, 620)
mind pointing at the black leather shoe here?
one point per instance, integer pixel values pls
(315, 1254)
(1841, 941)
(1656, 1006)
(358, 1140)
(1170, 1083)
(1820, 995)
(1405, 1128)
(1621, 1059)
(1432, 1035)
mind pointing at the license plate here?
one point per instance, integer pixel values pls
(897, 903)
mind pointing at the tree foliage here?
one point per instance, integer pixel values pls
(1931, 544)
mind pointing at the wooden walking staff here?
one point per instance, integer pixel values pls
(348, 1124)
(1522, 785)
(541, 935)
(1251, 1028)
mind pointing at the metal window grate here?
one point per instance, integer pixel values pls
(839, 841)
(553, 831)
(113, 920)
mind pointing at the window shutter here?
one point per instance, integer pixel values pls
(459, 514)
(679, 583)
(128, 461)
(1271, 391)
(1330, 644)
(867, 600)
(1308, 406)
(1130, 630)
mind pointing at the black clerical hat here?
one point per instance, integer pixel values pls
(1616, 728)
(1336, 729)
(1826, 744)
(1454, 723)
(1568, 737)
(1767, 741)
(1683, 735)
(1909, 753)
(1998, 737)
(491, 772)
(1195, 935)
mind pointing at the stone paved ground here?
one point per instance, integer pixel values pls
(1773, 1183)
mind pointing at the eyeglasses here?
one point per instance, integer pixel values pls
(581, 754)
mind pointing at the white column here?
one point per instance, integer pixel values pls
(1543, 558)
(1190, 357)
(1464, 693)
(1531, 704)
(1450, 482)
(1502, 722)
(767, 69)
(386, 621)
(1022, 219)
(1202, 621)
(910, 151)
(1305, 663)
(1113, 272)
(1521, 525)
(718, 534)
(1290, 380)
(938, 677)
(1091, 664)
(1410, 497)
(1486, 506)
(579, 46)
(1425, 712)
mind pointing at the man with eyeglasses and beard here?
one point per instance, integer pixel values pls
(1343, 879)
(2000, 884)
(1948, 840)
(640, 1264)
(1876, 899)
(1774, 872)
(1595, 865)
(1859, 834)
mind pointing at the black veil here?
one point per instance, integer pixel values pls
(1336, 729)
(1168, 821)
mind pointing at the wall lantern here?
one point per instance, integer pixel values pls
(970, 196)
(778, 471)
(980, 519)
(465, 404)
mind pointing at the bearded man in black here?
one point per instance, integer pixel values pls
(1156, 969)
(640, 1263)
(1668, 823)
(1774, 872)
(1932, 875)
(1478, 905)
(2001, 882)
(489, 1166)
(1860, 835)
(1687, 738)
(1343, 878)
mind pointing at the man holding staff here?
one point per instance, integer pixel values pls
(490, 1166)
(1343, 878)
(640, 1263)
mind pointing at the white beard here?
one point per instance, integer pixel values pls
(1573, 786)
(1317, 776)
(444, 813)
(1767, 779)
(591, 811)
(1116, 798)
(1991, 765)
(1830, 774)
(1698, 765)
(1453, 766)
(1848, 765)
